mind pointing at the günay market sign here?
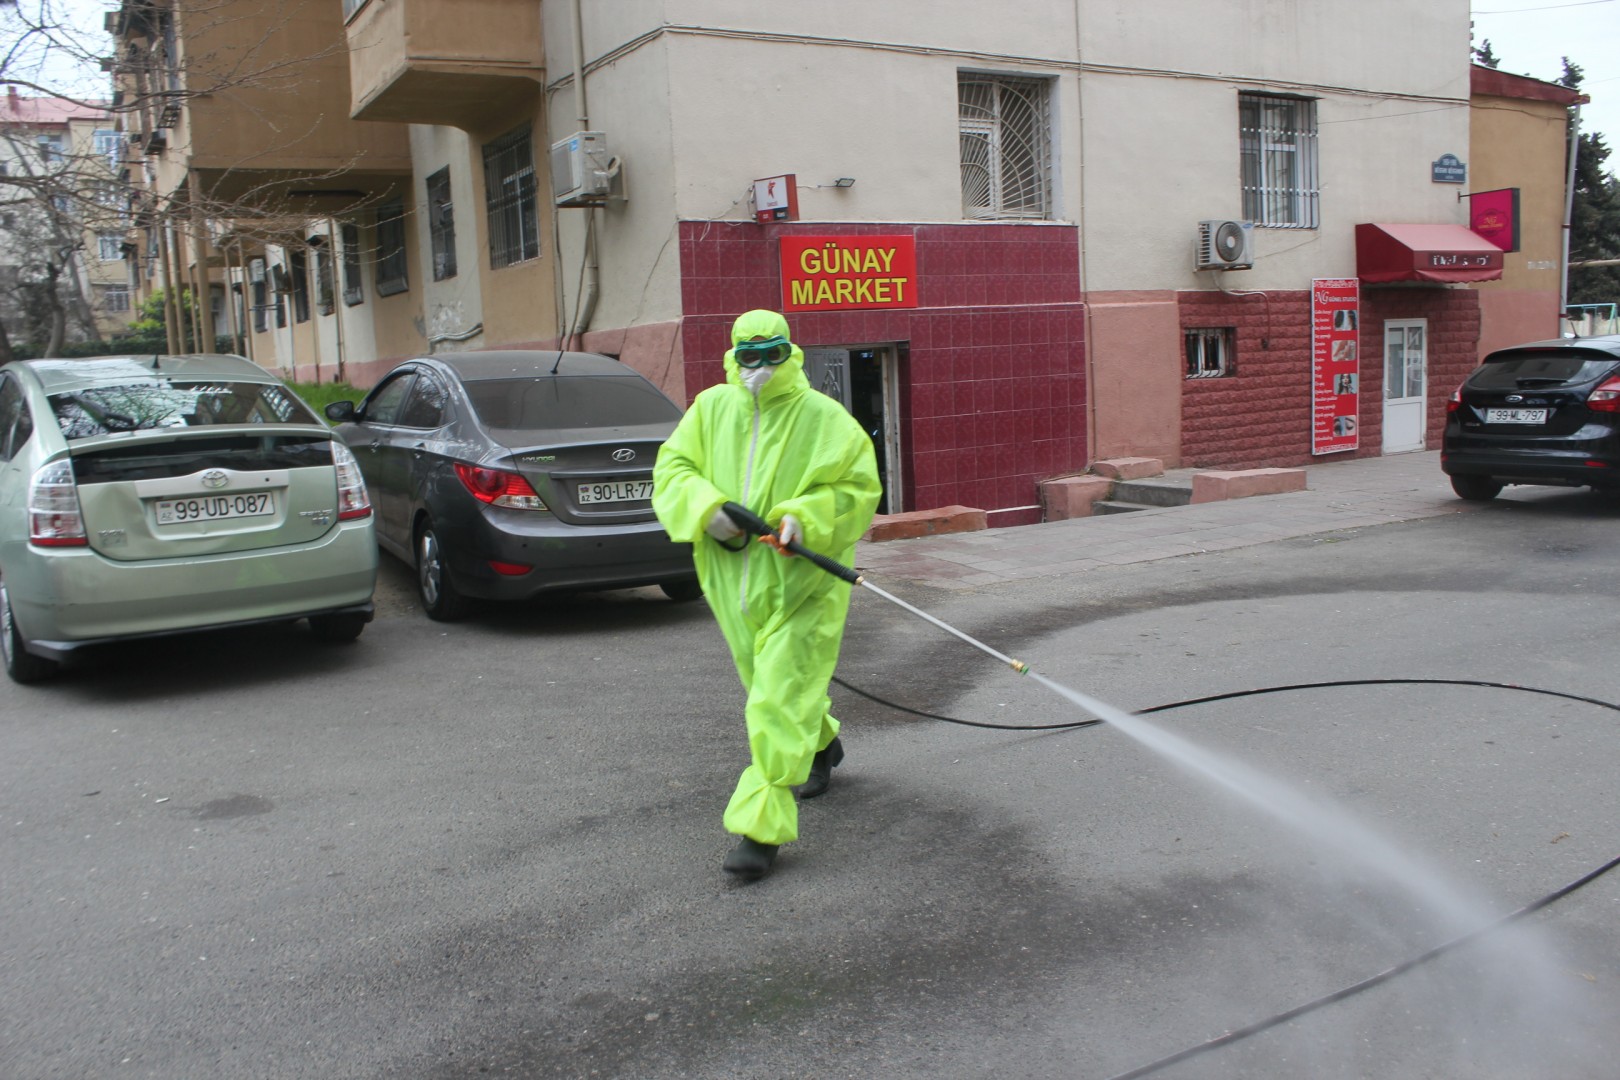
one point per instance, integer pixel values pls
(831, 273)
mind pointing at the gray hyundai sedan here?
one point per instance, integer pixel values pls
(501, 475)
(151, 495)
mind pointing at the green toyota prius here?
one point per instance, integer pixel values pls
(151, 495)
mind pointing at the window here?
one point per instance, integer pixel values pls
(106, 145)
(261, 296)
(110, 247)
(353, 291)
(509, 190)
(382, 407)
(1277, 144)
(115, 298)
(1209, 353)
(391, 271)
(425, 409)
(324, 302)
(441, 224)
(1005, 129)
(16, 422)
(298, 268)
(50, 148)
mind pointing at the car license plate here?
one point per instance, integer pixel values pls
(616, 491)
(1515, 416)
(215, 508)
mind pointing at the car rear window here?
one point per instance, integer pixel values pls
(1540, 367)
(153, 404)
(569, 402)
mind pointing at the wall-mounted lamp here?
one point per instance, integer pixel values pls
(844, 181)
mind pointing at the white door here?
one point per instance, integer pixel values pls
(1406, 350)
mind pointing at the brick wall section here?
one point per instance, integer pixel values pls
(1260, 417)
(992, 361)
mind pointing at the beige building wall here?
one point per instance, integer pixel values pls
(1520, 137)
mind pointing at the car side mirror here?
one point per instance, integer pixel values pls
(340, 411)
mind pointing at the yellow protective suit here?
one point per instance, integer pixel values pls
(792, 450)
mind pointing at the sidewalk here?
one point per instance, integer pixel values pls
(1338, 495)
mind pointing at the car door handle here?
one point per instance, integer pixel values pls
(418, 448)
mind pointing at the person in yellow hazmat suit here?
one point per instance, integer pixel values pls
(794, 456)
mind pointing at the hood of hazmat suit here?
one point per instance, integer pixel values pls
(789, 449)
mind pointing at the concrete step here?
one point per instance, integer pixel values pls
(1153, 491)
(1108, 506)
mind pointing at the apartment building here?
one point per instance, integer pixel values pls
(255, 189)
(1010, 246)
(66, 204)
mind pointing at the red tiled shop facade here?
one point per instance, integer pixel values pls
(991, 361)
(1260, 416)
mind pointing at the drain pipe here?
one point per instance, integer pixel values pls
(586, 301)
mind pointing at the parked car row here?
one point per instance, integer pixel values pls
(150, 495)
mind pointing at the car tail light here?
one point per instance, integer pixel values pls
(1606, 398)
(353, 500)
(510, 569)
(1454, 402)
(54, 517)
(499, 487)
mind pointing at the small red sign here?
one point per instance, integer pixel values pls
(1495, 216)
(831, 273)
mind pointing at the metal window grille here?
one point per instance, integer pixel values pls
(115, 299)
(509, 197)
(1277, 145)
(298, 269)
(261, 296)
(353, 291)
(441, 224)
(324, 301)
(391, 269)
(1006, 137)
(1209, 353)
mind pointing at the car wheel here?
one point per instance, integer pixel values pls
(344, 626)
(682, 590)
(1476, 488)
(438, 593)
(22, 665)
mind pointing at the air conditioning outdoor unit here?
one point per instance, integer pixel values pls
(582, 171)
(1225, 245)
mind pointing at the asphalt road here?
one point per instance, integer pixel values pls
(493, 848)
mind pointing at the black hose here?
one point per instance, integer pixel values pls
(1297, 1011)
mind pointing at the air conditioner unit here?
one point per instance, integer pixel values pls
(582, 170)
(1225, 245)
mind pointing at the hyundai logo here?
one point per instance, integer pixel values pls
(214, 478)
(624, 454)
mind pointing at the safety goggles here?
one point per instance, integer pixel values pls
(770, 352)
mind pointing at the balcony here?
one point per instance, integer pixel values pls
(449, 62)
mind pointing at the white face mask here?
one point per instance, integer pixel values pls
(756, 378)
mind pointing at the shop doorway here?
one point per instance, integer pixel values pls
(866, 380)
(1406, 351)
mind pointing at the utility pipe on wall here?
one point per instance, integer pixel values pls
(592, 275)
(1569, 213)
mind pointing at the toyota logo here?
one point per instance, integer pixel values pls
(624, 454)
(214, 478)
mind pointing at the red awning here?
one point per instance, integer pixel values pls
(1447, 253)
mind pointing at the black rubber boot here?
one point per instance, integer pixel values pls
(821, 767)
(750, 860)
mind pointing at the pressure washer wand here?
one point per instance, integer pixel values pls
(750, 522)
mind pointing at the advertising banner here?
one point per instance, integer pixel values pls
(1335, 365)
(1495, 216)
(833, 273)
